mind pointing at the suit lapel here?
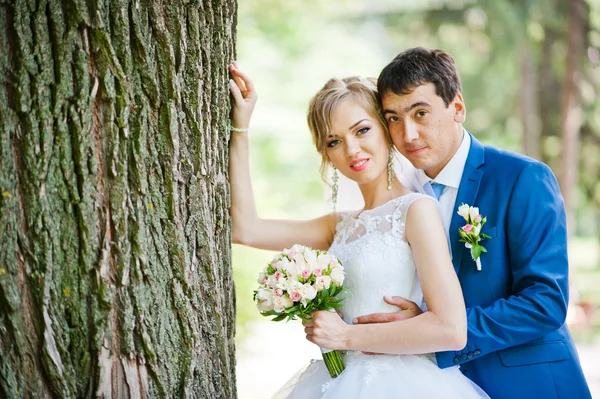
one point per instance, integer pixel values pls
(467, 193)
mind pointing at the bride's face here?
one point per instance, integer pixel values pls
(357, 145)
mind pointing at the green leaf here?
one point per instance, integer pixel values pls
(280, 317)
(475, 251)
(336, 305)
(483, 249)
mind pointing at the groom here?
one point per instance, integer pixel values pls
(518, 345)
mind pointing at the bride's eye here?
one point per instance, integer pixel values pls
(363, 131)
(333, 143)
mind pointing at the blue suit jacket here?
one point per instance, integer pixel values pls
(518, 345)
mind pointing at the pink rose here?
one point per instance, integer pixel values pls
(279, 292)
(278, 275)
(305, 274)
(468, 228)
(478, 218)
(295, 296)
(318, 272)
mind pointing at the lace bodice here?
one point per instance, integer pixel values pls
(378, 261)
(376, 257)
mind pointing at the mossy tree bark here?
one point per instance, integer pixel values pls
(115, 273)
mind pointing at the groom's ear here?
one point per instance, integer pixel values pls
(460, 111)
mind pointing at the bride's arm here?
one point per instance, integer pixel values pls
(247, 227)
(442, 327)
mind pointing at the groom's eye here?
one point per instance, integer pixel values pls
(421, 113)
(393, 119)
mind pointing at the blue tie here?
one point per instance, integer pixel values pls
(437, 189)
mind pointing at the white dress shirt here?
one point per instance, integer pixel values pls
(450, 177)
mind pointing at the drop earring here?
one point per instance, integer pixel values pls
(334, 187)
(390, 169)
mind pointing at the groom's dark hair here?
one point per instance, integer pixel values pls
(419, 66)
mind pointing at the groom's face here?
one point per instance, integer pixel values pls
(425, 130)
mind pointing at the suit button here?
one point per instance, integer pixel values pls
(477, 352)
(463, 357)
(456, 360)
(470, 355)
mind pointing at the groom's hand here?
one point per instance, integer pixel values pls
(407, 310)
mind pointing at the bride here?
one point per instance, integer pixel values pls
(395, 245)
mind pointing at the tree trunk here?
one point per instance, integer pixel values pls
(115, 271)
(529, 110)
(571, 112)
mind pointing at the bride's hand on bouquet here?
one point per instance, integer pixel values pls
(327, 329)
(244, 96)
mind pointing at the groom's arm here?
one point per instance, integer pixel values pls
(537, 238)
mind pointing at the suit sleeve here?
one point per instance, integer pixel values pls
(536, 231)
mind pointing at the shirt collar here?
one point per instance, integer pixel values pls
(452, 173)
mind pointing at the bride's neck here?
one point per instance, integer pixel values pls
(376, 194)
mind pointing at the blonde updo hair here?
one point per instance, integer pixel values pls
(325, 102)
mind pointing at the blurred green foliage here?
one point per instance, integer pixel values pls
(290, 48)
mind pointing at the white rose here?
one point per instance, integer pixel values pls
(463, 211)
(265, 299)
(334, 261)
(264, 294)
(308, 292)
(282, 283)
(477, 229)
(280, 303)
(337, 275)
(283, 264)
(293, 285)
(323, 261)
(473, 213)
(298, 261)
(271, 281)
(323, 282)
(310, 257)
(294, 249)
(261, 277)
(291, 271)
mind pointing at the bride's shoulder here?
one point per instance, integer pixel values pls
(414, 203)
(406, 200)
(343, 217)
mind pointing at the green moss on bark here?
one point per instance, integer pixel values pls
(114, 228)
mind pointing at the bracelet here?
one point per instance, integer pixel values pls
(239, 129)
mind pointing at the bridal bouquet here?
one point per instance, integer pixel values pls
(297, 282)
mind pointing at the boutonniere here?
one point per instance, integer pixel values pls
(471, 233)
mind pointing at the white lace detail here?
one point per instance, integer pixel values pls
(377, 259)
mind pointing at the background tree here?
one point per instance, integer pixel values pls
(115, 275)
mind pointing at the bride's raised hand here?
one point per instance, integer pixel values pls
(244, 96)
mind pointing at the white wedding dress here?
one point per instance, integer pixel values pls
(378, 261)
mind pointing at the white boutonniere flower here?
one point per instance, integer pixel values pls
(470, 233)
